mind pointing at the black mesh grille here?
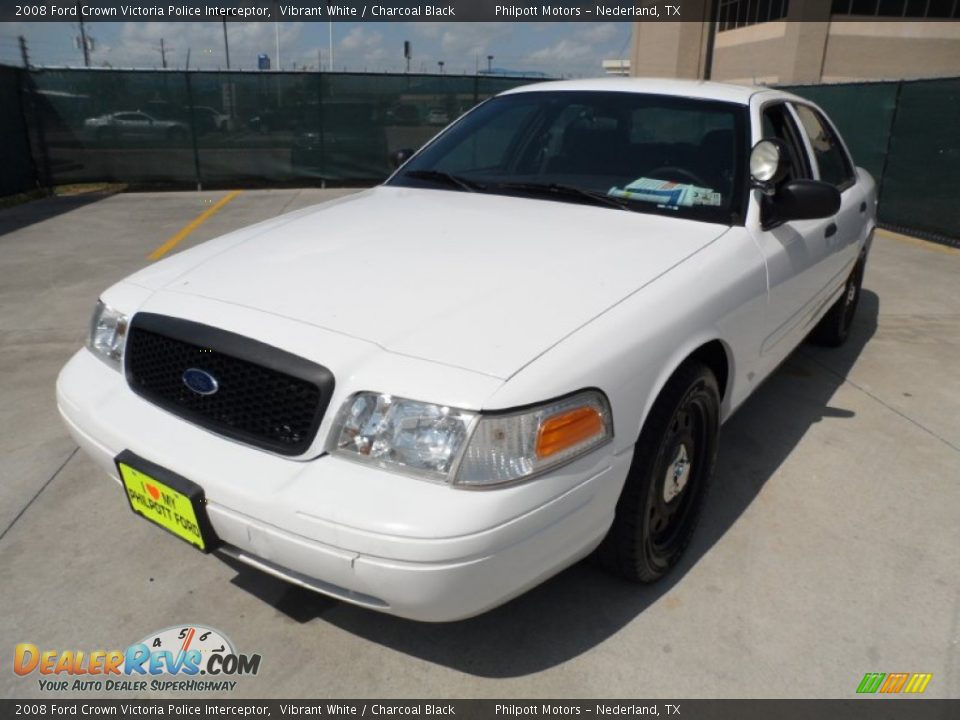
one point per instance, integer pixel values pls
(262, 405)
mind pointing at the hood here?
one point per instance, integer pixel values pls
(477, 281)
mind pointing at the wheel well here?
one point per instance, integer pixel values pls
(714, 355)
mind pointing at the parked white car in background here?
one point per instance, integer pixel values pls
(428, 397)
(134, 125)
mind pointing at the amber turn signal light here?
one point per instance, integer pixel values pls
(567, 430)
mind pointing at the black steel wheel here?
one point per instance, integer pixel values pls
(834, 327)
(662, 497)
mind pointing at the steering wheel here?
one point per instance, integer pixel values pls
(672, 172)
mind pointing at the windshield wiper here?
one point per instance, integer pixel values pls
(445, 177)
(565, 191)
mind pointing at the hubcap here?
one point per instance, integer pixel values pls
(678, 473)
(851, 292)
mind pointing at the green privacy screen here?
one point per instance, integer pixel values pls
(907, 134)
(242, 128)
(174, 128)
(19, 173)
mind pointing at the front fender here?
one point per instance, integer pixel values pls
(631, 350)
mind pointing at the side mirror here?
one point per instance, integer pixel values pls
(768, 164)
(399, 157)
(805, 200)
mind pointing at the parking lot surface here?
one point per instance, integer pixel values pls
(830, 544)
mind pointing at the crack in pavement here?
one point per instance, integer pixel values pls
(38, 493)
(290, 202)
(889, 407)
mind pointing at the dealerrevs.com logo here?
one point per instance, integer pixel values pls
(180, 658)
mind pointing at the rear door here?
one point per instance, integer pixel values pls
(832, 164)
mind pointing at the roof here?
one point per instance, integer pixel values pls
(658, 86)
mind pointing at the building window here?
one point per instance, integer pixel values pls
(740, 13)
(898, 8)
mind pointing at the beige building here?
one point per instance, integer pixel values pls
(802, 41)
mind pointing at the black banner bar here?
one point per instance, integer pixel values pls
(383, 11)
(866, 708)
(352, 10)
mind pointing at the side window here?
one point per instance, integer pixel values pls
(835, 166)
(779, 125)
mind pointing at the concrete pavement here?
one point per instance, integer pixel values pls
(829, 547)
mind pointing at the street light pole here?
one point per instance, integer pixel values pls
(83, 39)
(226, 45)
(276, 37)
(330, 42)
(440, 63)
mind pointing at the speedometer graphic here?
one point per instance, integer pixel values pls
(180, 639)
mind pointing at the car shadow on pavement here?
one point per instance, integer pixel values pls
(583, 606)
(29, 212)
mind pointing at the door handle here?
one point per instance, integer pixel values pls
(863, 206)
(831, 230)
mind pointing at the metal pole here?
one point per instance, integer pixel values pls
(330, 41)
(23, 52)
(276, 36)
(890, 131)
(163, 54)
(29, 112)
(226, 45)
(83, 39)
(712, 21)
(193, 131)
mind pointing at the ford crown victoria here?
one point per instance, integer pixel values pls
(429, 396)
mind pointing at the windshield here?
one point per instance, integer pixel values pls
(649, 153)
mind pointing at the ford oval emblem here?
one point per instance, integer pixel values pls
(200, 381)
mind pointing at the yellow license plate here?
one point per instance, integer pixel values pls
(173, 503)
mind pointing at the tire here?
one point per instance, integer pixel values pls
(663, 495)
(834, 327)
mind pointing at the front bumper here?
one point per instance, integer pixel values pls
(417, 549)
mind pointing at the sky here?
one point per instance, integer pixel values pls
(557, 48)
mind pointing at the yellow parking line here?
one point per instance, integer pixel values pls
(192, 225)
(910, 240)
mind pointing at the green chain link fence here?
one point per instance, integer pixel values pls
(221, 128)
(172, 128)
(907, 134)
(18, 172)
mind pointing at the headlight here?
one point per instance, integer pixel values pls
(108, 329)
(467, 448)
(403, 434)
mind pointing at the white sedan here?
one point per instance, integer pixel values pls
(430, 396)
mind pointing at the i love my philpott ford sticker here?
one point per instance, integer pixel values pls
(180, 658)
